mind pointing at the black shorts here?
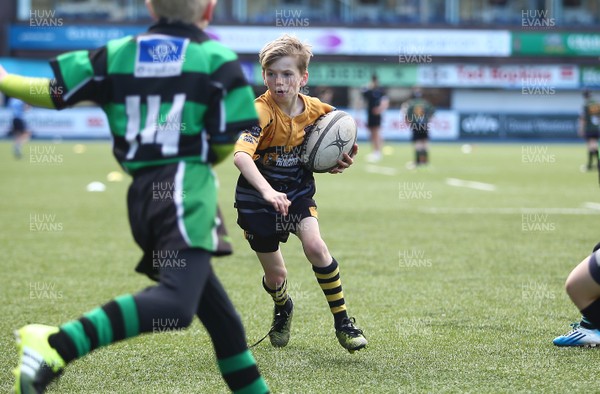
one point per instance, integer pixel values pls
(420, 132)
(592, 134)
(265, 230)
(173, 208)
(18, 127)
(373, 120)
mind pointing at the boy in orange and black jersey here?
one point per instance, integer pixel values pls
(274, 194)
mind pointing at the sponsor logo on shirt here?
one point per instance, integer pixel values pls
(160, 56)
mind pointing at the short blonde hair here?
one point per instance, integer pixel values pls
(186, 11)
(286, 45)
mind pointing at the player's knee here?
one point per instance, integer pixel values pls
(179, 307)
(316, 250)
(183, 315)
(275, 276)
(571, 286)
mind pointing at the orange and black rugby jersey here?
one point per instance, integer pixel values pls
(276, 145)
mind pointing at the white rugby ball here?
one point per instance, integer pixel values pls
(330, 137)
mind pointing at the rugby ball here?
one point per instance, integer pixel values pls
(327, 140)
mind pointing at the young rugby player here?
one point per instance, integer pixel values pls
(274, 194)
(377, 104)
(418, 116)
(175, 101)
(583, 287)
(589, 128)
(19, 132)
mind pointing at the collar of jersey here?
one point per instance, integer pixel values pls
(178, 29)
(298, 118)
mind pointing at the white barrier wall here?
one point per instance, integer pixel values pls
(444, 125)
(69, 123)
(479, 122)
(517, 101)
(77, 123)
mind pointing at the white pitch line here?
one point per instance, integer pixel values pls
(512, 211)
(488, 187)
(380, 170)
(592, 205)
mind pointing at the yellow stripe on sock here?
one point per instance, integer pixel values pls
(332, 285)
(335, 297)
(338, 309)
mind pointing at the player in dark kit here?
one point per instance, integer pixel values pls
(176, 101)
(418, 114)
(19, 132)
(377, 103)
(589, 128)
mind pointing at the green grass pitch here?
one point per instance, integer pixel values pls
(457, 285)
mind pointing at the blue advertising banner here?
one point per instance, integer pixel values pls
(522, 126)
(67, 37)
(590, 77)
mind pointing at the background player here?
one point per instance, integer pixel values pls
(589, 128)
(19, 132)
(418, 114)
(377, 104)
(153, 86)
(274, 194)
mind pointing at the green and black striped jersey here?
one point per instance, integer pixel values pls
(167, 94)
(591, 116)
(419, 112)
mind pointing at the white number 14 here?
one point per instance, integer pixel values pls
(157, 129)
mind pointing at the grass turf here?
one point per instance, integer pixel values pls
(458, 289)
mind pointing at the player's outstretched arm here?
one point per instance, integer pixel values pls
(246, 165)
(221, 152)
(347, 161)
(34, 91)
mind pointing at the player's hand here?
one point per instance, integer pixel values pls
(347, 161)
(3, 73)
(278, 200)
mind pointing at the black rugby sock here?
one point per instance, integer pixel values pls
(591, 314)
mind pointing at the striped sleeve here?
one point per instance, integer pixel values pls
(236, 104)
(79, 76)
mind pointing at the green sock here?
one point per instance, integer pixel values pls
(241, 374)
(102, 326)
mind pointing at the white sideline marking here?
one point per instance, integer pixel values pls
(380, 170)
(592, 205)
(488, 187)
(514, 211)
